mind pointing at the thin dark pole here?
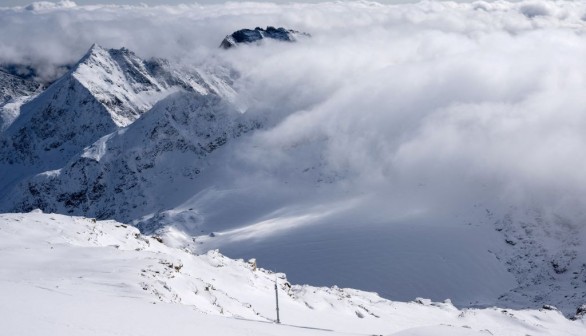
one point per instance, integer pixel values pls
(277, 297)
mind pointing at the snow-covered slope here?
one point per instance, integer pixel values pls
(547, 256)
(148, 165)
(128, 85)
(106, 90)
(108, 279)
(514, 261)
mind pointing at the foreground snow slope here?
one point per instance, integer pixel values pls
(75, 276)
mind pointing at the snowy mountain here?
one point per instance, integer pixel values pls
(106, 90)
(429, 155)
(174, 151)
(150, 164)
(108, 279)
(247, 36)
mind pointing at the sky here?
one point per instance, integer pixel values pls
(170, 2)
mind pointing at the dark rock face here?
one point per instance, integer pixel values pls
(13, 91)
(36, 73)
(257, 34)
(543, 253)
(580, 312)
(12, 87)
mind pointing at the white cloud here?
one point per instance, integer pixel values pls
(41, 5)
(430, 106)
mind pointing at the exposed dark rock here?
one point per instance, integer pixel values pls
(549, 307)
(580, 312)
(257, 34)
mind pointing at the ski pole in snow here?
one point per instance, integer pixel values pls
(277, 297)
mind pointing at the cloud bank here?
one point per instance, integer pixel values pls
(424, 108)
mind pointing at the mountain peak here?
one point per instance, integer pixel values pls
(120, 80)
(257, 34)
(95, 47)
(106, 90)
(94, 51)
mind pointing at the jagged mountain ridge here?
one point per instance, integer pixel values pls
(106, 90)
(109, 90)
(128, 173)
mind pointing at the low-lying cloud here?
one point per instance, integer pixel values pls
(431, 106)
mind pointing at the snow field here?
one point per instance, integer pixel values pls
(66, 275)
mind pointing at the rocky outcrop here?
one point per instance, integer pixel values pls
(13, 92)
(247, 36)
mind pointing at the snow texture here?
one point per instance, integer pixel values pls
(75, 275)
